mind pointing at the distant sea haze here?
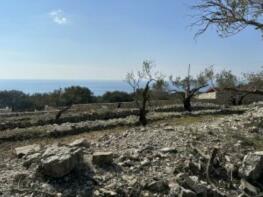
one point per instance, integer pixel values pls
(98, 87)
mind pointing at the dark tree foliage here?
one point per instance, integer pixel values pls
(226, 79)
(40, 100)
(116, 96)
(16, 100)
(75, 95)
(19, 101)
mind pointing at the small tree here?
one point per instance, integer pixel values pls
(190, 85)
(140, 83)
(228, 16)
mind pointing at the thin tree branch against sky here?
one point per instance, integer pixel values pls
(104, 39)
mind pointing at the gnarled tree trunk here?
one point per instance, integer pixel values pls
(187, 104)
(145, 99)
(142, 117)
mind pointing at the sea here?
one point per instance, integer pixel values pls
(98, 87)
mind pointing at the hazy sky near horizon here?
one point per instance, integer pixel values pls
(99, 39)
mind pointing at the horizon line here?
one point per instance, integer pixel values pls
(33, 79)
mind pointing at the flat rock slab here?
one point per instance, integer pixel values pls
(82, 142)
(25, 150)
(168, 150)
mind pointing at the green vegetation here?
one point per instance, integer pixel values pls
(19, 101)
(116, 96)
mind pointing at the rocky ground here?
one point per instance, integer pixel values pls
(217, 156)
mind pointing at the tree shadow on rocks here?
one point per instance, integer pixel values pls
(79, 182)
(112, 167)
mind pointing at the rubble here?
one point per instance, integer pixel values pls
(163, 159)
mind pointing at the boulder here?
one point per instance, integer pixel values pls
(252, 166)
(102, 158)
(25, 150)
(58, 161)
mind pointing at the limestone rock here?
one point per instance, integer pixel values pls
(102, 158)
(168, 150)
(58, 161)
(82, 142)
(252, 166)
(25, 150)
(31, 158)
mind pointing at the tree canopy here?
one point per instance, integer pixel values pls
(226, 79)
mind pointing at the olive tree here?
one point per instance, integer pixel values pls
(191, 85)
(228, 16)
(141, 84)
(252, 83)
(226, 79)
(254, 80)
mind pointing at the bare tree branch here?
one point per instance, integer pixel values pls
(228, 16)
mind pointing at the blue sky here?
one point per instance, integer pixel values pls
(104, 39)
